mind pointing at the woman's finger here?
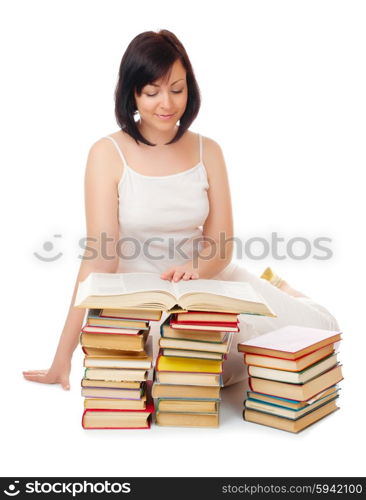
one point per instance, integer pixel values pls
(65, 384)
(168, 274)
(40, 377)
(187, 276)
(35, 372)
(178, 275)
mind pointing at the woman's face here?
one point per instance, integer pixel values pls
(163, 102)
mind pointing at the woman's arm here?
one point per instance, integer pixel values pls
(101, 209)
(218, 227)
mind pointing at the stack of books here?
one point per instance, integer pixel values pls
(117, 360)
(188, 371)
(189, 368)
(293, 376)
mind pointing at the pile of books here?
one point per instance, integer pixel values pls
(293, 376)
(188, 371)
(117, 361)
(189, 367)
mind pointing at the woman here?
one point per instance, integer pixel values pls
(157, 199)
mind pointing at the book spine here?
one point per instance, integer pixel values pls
(82, 420)
(162, 330)
(250, 384)
(157, 360)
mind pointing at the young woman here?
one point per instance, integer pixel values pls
(157, 200)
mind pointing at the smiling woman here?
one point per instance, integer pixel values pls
(162, 100)
(156, 79)
(164, 189)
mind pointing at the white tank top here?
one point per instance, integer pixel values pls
(160, 217)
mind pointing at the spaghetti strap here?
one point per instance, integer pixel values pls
(200, 145)
(118, 149)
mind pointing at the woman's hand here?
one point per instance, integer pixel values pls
(55, 375)
(177, 273)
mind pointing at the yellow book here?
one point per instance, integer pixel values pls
(176, 364)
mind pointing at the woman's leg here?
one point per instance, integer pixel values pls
(301, 311)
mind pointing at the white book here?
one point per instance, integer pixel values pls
(290, 342)
(148, 290)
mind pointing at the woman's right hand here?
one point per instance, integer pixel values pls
(54, 375)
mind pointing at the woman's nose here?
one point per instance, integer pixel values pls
(165, 100)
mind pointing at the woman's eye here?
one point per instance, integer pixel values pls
(173, 92)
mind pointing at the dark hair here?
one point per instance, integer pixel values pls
(148, 58)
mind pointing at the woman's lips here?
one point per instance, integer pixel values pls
(165, 117)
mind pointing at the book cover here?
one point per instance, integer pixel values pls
(290, 342)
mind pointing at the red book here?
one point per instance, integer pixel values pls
(210, 317)
(118, 419)
(204, 325)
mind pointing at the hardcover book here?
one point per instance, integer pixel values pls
(168, 332)
(113, 341)
(187, 406)
(192, 345)
(207, 317)
(187, 419)
(115, 404)
(282, 411)
(186, 378)
(295, 365)
(148, 290)
(208, 325)
(299, 392)
(290, 342)
(142, 314)
(193, 354)
(290, 403)
(112, 393)
(287, 424)
(95, 319)
(185, 391)
(294, 377)
(115, 374)
(117, 419)
(168, 364)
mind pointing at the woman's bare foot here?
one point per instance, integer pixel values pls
(280, 283)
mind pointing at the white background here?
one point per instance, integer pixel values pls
(283, 86)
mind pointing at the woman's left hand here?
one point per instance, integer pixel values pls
(177, 273)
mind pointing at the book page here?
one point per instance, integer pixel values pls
(126, 283)
(234, 289)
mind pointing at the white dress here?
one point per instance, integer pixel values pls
(161, 219)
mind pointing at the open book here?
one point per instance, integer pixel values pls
(148, 290)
